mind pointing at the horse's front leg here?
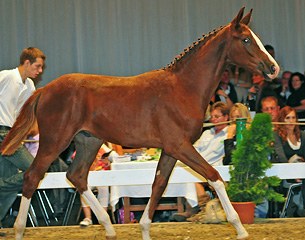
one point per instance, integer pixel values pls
(164, 169)
(231, 214)
(189, 156)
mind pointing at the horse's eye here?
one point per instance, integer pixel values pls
(247, 40)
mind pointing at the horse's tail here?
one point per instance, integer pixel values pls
(22, 126)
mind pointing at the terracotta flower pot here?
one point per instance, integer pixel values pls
(245, 211)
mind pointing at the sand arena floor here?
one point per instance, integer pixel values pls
(262, 229)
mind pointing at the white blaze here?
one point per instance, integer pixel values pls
(261, 46)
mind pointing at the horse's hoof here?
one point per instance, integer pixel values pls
(242, 236)
(111, 237)
(18, 237)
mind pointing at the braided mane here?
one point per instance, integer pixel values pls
(192, 48)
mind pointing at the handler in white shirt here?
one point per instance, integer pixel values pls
(16, 86)
(14, 92)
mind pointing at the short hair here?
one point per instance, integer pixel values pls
(268, 47)
(270, 98)
(225, 110)
(286, 71)
(31, 53)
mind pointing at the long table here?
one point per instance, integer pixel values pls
(173, 190)
(186, 190)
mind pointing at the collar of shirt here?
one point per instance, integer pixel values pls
(224, 131)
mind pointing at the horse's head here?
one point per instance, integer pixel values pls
(246, 49)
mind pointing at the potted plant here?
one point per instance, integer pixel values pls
(250, 160)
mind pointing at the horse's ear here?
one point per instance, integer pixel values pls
(235, 22)
(246, 19)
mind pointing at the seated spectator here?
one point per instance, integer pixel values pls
(210, 146)
(270, 49)
(259, 90)
(210, 143)
(270, 105)
(241, 111)
(226, 91)
(242, 82)
(290, 141)
(101, 162)
(283, 91)
(297, 97)
(238, 110)
(290, 147)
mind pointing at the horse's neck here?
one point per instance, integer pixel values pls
(205, 65)
(201, 72)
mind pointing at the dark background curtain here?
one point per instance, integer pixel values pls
(128, 37)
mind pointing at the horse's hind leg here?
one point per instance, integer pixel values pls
(31, 180)
(20, 222)
(87, 147)
(231, 214)
(163, 172)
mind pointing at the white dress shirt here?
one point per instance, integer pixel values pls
(13, 94)
(211, 146)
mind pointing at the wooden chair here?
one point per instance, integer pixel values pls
(128, 207)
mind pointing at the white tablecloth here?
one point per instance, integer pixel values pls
(186, 190)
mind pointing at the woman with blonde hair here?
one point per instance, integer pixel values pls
(238, 110)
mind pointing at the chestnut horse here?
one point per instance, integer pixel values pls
(162, 108)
